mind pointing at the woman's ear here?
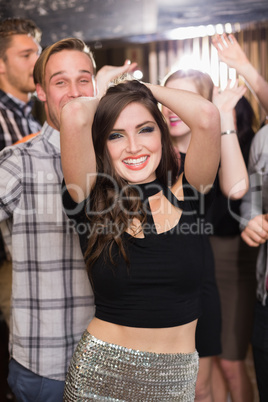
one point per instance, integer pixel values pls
(41, 93)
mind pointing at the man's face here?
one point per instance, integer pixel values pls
(68, 75)
(17, 66)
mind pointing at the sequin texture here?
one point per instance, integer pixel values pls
(100, 371)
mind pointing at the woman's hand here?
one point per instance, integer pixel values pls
(227, 99)
(229, 51)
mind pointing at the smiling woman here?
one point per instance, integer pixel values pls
(146, 278)
(135, 149)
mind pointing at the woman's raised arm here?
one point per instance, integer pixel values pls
(203, 154)
(231, 53)
(77, 151)
(233, 175)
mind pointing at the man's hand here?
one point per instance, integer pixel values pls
(256, 232)
(109, 73)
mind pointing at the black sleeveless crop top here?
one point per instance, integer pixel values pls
(161, 286)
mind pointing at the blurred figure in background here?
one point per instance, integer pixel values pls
(254, 225)
(235, 275)
(232, 170)
(19, 49)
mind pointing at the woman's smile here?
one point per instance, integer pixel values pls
(174, 120)
(136, 163)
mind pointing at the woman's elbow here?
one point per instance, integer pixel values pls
(210, 117)
(236, 191)
(238, 195)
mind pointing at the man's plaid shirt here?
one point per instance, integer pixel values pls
(52, 302)
(16, 120)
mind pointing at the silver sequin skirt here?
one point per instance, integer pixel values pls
(100, 371)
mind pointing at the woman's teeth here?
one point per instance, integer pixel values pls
(136, 161)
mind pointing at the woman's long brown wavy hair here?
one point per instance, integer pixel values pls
(114, 203)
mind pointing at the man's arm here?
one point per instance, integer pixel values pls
(10, 183)
(253, 209)
(256, 232)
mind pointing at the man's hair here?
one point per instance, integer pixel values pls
(16, 26)
(64, 44)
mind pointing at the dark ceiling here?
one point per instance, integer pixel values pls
(98, 21)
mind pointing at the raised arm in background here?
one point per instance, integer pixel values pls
(231, 53)
(233, 176)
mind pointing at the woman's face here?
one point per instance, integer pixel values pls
(177, 128)
(134, 144)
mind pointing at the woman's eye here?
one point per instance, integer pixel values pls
(114, 136)
(147, 129)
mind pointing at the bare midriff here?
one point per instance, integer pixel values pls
(180, 339)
